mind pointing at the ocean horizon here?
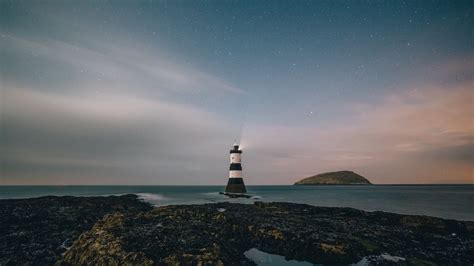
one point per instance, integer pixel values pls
(453, 201)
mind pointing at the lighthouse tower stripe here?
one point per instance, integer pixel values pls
(235, 174)
(235, 149)
(235, 158)
(235, 167)
(236, 181)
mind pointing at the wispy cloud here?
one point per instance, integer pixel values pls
(421, 135)
(123, 117)
(123, 65)
(103, 136)
(152, 93)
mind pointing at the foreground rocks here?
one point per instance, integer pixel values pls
(220, 234)
(124, 230)
(37, 231)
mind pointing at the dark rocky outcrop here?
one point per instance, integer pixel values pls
(220, 233)
(335, 178)
(125, 231)
(37, 231)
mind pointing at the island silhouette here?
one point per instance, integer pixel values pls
(335, 178)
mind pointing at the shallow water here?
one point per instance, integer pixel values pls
(446, 201)
(262, 259)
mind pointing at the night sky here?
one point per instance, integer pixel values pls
(156, 92)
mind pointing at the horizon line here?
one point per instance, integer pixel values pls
(320, 185)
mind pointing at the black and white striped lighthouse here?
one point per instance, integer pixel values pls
(236, 182)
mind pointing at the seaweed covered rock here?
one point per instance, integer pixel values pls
(99, 246)
(37, 231)
(220, 233)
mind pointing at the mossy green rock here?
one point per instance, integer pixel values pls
(220, 234)
(38, 231)
(129, 232)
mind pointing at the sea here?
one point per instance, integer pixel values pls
(444, 201)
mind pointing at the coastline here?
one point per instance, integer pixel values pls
(443, 201)
(67, 229)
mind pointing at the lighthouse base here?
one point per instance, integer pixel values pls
(235, 195)
(236, 185)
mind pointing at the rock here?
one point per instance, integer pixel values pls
(37, 231)
(128, 231)
(99, 246)
(200, 235)
(335, 178)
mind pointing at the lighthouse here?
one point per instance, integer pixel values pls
(236, 182)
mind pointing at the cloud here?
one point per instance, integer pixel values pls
(422, 135)
(122, 65)
(109, 113)
(97, 107)
(48, 138)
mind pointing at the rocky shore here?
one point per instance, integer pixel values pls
(37, 231)
(124, 230)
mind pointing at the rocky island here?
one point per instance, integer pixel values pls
(335, 178)
(123, 230)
